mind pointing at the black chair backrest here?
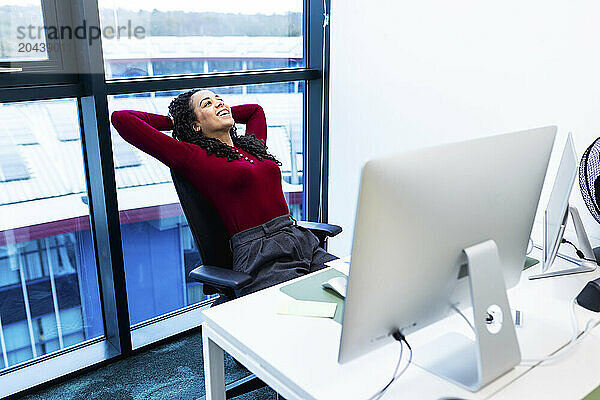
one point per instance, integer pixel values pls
(212, 239)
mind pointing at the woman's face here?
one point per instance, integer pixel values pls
(212, 114)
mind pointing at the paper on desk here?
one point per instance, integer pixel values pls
(307, 308)
(338, 261)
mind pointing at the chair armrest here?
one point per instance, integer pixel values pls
(325, 229)
(220, 277)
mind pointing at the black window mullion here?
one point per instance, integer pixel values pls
(102, 190)
(43, 92)
(139, 85)
(324, 118)
(314, 161)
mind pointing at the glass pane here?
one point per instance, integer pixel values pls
(158, 247)
(22, 35)
(152, 37)
(49, 297)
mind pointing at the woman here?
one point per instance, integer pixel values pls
(234, 173)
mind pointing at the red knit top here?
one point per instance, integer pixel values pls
(244, 194)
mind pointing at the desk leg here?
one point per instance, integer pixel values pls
(214, 370)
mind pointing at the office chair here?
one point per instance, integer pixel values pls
(215, 272)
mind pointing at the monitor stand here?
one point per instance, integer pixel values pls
(582, 241)
(495, 350)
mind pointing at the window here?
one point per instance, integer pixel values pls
(16, 38)
(200, 37)
(34, 46)
(49, 297)
(158, 248)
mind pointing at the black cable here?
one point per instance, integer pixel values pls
(410, 356)
(577, 251)
(400, 338)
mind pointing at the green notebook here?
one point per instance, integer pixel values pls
(529, 262)
(594, 395)
(310, 289)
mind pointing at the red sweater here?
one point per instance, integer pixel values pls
(244, 194)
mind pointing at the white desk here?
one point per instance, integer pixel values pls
(297, 356)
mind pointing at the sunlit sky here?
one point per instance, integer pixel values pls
(229, 6)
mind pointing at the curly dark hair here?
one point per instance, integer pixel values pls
(183, 121)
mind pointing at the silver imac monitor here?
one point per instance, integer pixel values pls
(556, 218)
(430, 225)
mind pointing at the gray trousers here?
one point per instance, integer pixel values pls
(275, 252)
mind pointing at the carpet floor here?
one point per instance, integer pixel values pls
(169, 371)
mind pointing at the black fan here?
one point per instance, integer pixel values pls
(589, 181)
(589, 178)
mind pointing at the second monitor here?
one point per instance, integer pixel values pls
(432, 224)
(556, 217)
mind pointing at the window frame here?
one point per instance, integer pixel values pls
(92, 89)
(51, 71)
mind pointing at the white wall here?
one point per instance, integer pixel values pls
(408, 74)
